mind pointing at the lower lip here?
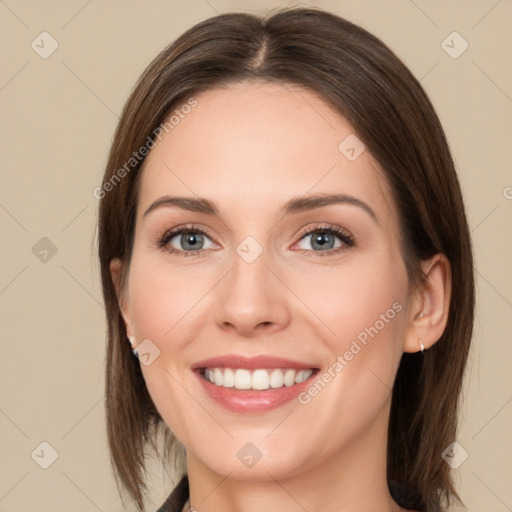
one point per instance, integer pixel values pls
(244, 400)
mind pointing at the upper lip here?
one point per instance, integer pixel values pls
(250, 363)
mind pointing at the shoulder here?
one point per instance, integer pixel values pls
(409, 499)
(178, 497)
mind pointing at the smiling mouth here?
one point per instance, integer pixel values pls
(257, 379)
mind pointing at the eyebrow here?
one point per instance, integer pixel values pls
(294, 205)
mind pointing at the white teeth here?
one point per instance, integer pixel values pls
(229, 378)
(301, 376)
(289, 377)
(260, 379)
(218, 378)
(242, 379)
(276, 379)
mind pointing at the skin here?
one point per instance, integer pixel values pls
(250, 147)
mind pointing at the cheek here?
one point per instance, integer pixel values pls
(359, 295)
(163, 299)
(159, 302)
(360, 310)
(165, 304)
(367, 307)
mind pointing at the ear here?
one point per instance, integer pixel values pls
(430, 304)
(116, 268)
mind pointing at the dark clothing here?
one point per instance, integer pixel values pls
(405, 498)
(178, 497)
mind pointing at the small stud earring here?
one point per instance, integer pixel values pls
(422, 346)
(135, 352)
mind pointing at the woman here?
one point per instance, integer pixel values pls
(283, 241)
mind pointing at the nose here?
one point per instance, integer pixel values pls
(251, 299)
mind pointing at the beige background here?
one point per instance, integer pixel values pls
(58, 117)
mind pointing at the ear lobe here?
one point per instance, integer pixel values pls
(115, 274)
(430, 307)
(116, 268)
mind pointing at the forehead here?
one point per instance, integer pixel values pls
(257, 143)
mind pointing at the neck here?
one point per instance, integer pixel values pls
(353, 478)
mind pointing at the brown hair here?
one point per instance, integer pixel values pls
(364, 81)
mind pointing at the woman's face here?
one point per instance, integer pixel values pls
(266, 281)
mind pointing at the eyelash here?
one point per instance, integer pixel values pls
(346, 238)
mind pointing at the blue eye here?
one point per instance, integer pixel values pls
(324, 239)
(190, 241)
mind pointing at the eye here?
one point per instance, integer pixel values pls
(194, 241)
(186, 240)
(327, 240)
